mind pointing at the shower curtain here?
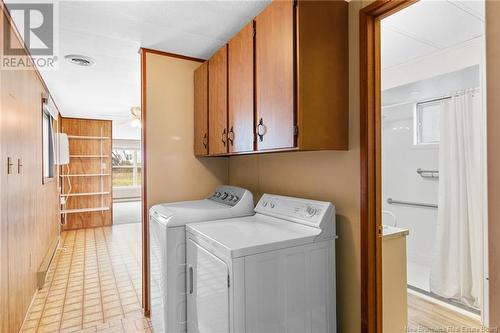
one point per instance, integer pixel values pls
(456, 271)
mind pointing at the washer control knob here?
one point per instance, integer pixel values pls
(264, 204)
(217, 194)
(235, 198)
(310, 211)
(224, 196)
(231, 197)
(272, 205)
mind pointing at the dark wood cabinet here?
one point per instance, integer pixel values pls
(201, 110)
(274, 70)
(282, 82)
(241, 91)
(322, 79)
(217, 102)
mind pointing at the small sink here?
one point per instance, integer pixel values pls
(391, 231)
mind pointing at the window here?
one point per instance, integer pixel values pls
(47, 147)
(427, 122)
(126, 167)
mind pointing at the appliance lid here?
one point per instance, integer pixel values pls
(177, 214)
(253, 234)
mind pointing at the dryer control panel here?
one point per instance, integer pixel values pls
(318, 214)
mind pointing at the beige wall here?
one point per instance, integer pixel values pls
(327, 175)
(173, 172)
(493, 86)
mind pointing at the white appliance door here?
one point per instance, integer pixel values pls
(208, 291)
(158, 274)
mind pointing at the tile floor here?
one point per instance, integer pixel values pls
(93, 285)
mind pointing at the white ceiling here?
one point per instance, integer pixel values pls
(111, 32)
(429, 26)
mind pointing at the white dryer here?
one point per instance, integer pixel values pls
(271, 272)
(168, 249)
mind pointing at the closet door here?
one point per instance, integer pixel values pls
(241, 92)
(217, 102)
(274, 61)
(17, 101)
(201, 110)
(9, 195)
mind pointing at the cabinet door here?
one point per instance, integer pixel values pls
(274, 61)
(207, 291)
(241, 84)
(201, 110)
(12, 209)
(217, 102)
(322, 75)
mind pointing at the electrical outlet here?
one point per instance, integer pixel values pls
(63, 200)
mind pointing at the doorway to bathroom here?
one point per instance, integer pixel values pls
(429, 137)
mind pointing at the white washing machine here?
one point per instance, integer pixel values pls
(271, 272)
(168, 249)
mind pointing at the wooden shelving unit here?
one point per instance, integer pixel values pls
(84, 210)
(85, 194)
(87, 137)
(88, 156)
(86, 182)
(87, 175)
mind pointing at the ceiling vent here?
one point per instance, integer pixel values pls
(80, 60)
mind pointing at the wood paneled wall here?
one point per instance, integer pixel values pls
(83, 164)
(29, 209)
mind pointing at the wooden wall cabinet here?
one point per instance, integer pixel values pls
(274, 82)
(322, 75)
(286, 73)
(302, 75)
(201, 110)
(217, 102)
(241, 91)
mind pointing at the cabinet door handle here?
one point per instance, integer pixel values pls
(205, 141)
(190, 273)
(224, 136)
(261, 130)
(19, 165)
(230, 136)
(9, 165)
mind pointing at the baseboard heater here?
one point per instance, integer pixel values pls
(41, 274)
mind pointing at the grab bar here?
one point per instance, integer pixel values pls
(394, 217)
(428, 173)
(390, 201)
